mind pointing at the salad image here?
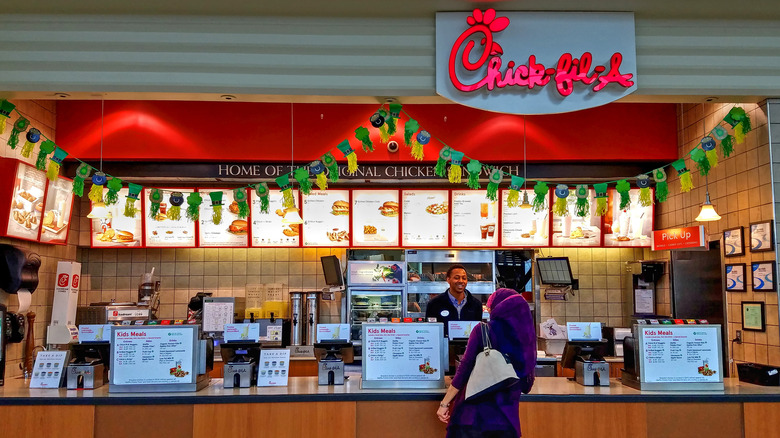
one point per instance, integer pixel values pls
(388, 274)
(426, 367)
(177, 371)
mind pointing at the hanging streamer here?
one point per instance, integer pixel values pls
(645, 198)
(155, 198)
(176, 199)
(333, 167)
(661, 186)
(441, 164)
(740, 122)
(262, 192)
(82, 173)
(239, 196)
(495, 176)
(6, 108)
(301, 175)
(55, 162)
(364, 137)
(623, 188)
(46, 148)
(286, 186)
(686, 184)
(601, 198)
(96, 192)
(418, 151)
(20, 126)
(513, 198)
(474, 168)
(133, 191)
(708, 144)
(560, 208)
(455, 172)
(410, 128)
(726, 140)
(33, 137)
(392, 121)
(318, 170)
(540, 195)
(216, 205)
(582, 208)
(194, 200)
(382, 116)
(702, 163)
(114, 186)
(349, 154)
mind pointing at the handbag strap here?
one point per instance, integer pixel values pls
(485, 336)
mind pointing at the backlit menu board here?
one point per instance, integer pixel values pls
(474, 219)
(117, 230)
(153, 355)
(57, 211)
(375, 218)
(402, 353)
(26, 202)
(161, 231)
(575, 230)
(267, 228)
(631, 226)
(231, 231)
(326, 218)
(524, 226)
(681, 354)
(426, 219)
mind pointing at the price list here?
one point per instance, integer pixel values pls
(688, 353)
(474, 219)
(402, 352)
(152, 355)
(426, 219)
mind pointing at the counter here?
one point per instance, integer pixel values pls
(302, 408)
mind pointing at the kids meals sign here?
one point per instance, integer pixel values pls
(534, 62)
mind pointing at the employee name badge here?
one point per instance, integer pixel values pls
(94, 333)
(583, 331)
(242, 332)
(274, 333)
(49, 369)
(274, 367)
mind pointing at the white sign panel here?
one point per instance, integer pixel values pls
(332, 332)
(461, 329)
(474, 219)
(48, 369)
(162, 231)
(583, 331)
(242, 332)
(274, 367)
(681, 354)
(524, 226)
(267, 228)
(94, 333)
(426, 219)
(375, 219)
(153, 355)
(326, 218)
(216, 313)
(535, 62)
(402, 352)
(230, 231)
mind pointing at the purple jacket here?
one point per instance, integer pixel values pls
(512, 332)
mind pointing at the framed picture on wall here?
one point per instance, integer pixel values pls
(763, 276)
(753, 316)
(735, 277)
(761, 237)
(734, 242)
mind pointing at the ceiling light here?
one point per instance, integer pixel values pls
(707, 213)
(99, 211)
(525, 203)
(292, 216)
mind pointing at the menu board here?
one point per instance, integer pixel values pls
(681, 354)
(524, 226)
(402, 352)
(27, 202)
(267, 228)
(326, 218)
(273, 367)
(147, 355)
(575, 230)
(57, 211)
(117, 230)
(161, 231)
(426, 219)
(474, 219)
(230, 231)
(375, 219)
(632, 226)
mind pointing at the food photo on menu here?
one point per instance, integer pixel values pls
(162, 229)
(629, 226)
(219, 221)
(326, 218)
(110, 226)
(56, 214)
(426, 217)
(26, 208)
(375, 213)
(339, 208)
(524, 226)
(577, 227)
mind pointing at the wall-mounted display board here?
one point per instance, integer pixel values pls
(474, 219)
(231, 231)
(162, 231)
(409, 355)
(631, 226)
(326, 216)
(57, 210)
(425, 218)
(117, 230)
(267, 228)
(575, 230)
(375, 218)
(524, 227)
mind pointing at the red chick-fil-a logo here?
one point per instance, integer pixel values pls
(532, 74)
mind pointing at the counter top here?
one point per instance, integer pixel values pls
(306, 389)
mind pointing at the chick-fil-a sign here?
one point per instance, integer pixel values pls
(535, 63)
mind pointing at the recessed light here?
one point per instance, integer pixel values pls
(61, 95)
(710, 99)
(228, 97)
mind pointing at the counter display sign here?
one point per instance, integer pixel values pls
(474, 219)
(403, 355)
(678, 238)
(153, 355)
(230, 231)
(575, 230)
(375, 219)
(524, 226)
(426, 219)
(117, 230)
(161, 231)
(681, 354)
(57, 211)
(49, 369)
(267, 228)
(631, 226)
(274, 367)
(26, 203)
(326, 218)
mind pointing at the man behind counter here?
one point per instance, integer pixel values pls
(456, 303)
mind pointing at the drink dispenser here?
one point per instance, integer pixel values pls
(297, 318)
(312, 317)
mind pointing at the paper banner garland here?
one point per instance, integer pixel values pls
(329, 161)
(686, 183)
(441, 164)
(623, 188)
(661, 186)
(96, 192)
(239, 196)
(301, 175)
(261, 189)
(318, 170)
(494, 179)
(194, 200)
(47, 147)
(20, 126)
(55, 162)
(114, 186)
(645, 197)
(601, 198)
(560, 206)
(702, 163)
(33, 137)
(392, 121)
(474, 168)
(540, 195)
(740, 122)
(286, 186)
(708, 144)
(513, 198)
(176, 199)
(82, 173)
(410, 128)
(418, 151)
(582, 207)
(6, 108)
(155, 198)
(455, 172)
(350, 155)
(133, 191)
(216, 205)
(364, 137)
(381, 116)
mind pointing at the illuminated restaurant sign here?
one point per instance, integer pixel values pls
(679, 238)
(548, 62)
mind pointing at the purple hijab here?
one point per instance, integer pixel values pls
(512, 332)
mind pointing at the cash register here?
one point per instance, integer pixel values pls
(90, 363)
(241, 359)
(330, 355)
(587, 359)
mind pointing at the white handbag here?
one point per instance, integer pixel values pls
(492, 370)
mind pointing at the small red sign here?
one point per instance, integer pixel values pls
(679, 321)
(679, 238)
(395, 320)
(408, 319)
(75, 284)
(62, 280)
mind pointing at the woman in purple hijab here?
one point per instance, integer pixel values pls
(512, 332)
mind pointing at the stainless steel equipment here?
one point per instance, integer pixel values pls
(85, 376)
(312, 316)
(297, 318)
(620, 334)
(107, 313)
(239, 375)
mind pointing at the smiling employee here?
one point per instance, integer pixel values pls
(456, 303)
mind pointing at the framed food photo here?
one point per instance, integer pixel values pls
(735, 277)
(753, 316)
(763, 276)
(761, 236)
(734, 242)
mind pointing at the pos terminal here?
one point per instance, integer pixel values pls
(587, 359)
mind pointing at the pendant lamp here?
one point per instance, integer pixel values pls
(292, 216)
(707, 213)
(99, 210)
(525, 205)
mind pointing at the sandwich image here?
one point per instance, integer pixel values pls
(238, 226)
(340, 208)
(389, 209)
(123, 236)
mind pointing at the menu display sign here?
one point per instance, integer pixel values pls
(524, 226)
(678, 238)
(631, 226)
(161, 231)
(230, 230)
(27, 203)
(461, 329)
(375, 218)
(117, 230)
(332, 332)
(326, 218)
(146, 355)
(57, 211)
(576, 230)
(49, 369)
(474, 219)
(402, 352)
(274, 366)
(681, 354)
(242, 332)
(426, 219)
(372, 273)
(267, 228)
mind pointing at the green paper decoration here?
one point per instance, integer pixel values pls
(740, 121)
(318, 169)
(561, 195)
(441, 164)
(301, 175)
(55, 162)
(513, 198)
(239, 195)
(96, 191)
(582, 208)
(155, 198)
(601, 198)
(645, 197)
(133, 191)
(420, 140)
(20, 126)
(364, 137)
(410, 128)
(216, 205)
(194, 200)
(349, 154)
(114, 186)
(540, 190)
(455, 172)
(474, 168)
(686, 184)
(32, 138)
(702, 163)
(82, 173)
(333, 167)
(6, 108)
(176, 199)
(284, 184)
(727, 145)
(262, 192)
(384, 134)
(392, 121)
(661, 186)
(623, 188)
(494, 179)
(46, 148)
